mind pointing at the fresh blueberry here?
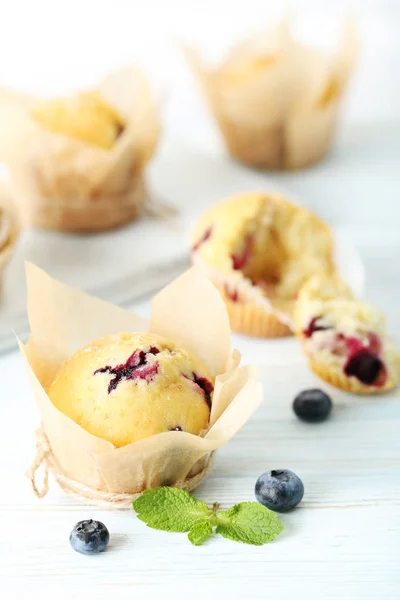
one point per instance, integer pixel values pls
(89, 537)
(312, 406)
(279, 490)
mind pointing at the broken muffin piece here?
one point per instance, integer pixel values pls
(259, 249)
(345, 340)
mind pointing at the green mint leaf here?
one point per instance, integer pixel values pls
(249, 523)
(170, 509)
(200, 532)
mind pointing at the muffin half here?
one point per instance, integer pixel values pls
(259, 249)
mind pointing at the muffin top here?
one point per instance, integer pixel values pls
(85, 117)
(270, 241)
(126, 387)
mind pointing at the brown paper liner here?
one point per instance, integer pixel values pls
(252, 314)
(191, 313)
(9, 213)
(98, 213)
(45, 459)
(285, 116)
(338, 379)
(253, 320)
(65, 184)
(254, 146)
(295, 146)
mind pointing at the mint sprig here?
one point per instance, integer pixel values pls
(173, 509)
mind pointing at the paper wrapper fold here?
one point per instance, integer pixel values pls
(9, 230)
(276, 101)
(191, 313)
(65, 184)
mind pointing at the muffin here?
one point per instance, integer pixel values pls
(275, 100)
(78, 162)
(132, 411)
(259, 249)
(85, 117)
(345, 340)
(124, 388)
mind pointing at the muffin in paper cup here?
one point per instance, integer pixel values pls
(77, 164)
(9, 230)
(191, 314)
(275, 100)
(345, 340)
(259, 249)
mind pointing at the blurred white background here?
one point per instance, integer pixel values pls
(50, 46)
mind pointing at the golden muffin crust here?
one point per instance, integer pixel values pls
(345, 340)
(273, 244)
(84, 116)
(126, 387)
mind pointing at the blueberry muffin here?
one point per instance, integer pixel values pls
(79, 164)
(345, 340)
(126, 387)
(276, 100)
(259, 249)
(85, 117)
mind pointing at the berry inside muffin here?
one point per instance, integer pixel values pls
(127, 387)
(272, 244)
(345, 339)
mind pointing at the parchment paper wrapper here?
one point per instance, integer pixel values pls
(9, 230)
(65, 184)
(191, 313)
(284, 115)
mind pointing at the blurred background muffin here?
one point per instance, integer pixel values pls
(85, 117)
(78, 162)
(275, 99)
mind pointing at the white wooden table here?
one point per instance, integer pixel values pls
(343, 541)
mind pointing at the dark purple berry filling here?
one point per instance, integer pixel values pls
(367, 367)
(206, 236)
(314, 326)
(136, 367)
(204, 384)
(363, 360)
